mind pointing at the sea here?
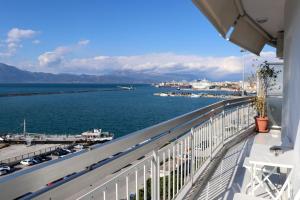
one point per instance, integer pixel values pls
(75, 108)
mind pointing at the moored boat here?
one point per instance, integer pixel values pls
(96, 135)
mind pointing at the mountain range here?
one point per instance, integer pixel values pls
(12, 74)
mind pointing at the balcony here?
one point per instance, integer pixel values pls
(160, 162)
(209, 153)
(169, 172)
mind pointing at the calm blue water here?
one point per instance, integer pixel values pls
(119, 112)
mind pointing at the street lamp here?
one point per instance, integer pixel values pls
(243, 84)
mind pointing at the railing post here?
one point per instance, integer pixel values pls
(248, 113)
(155, 173)
(192, 156)
(223, 126)
(210, 137)
(238, 119)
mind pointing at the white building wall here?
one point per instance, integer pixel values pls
(291, 99)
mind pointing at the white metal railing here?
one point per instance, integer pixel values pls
(192, 139)
(169, 172)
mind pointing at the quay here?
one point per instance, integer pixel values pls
(196, 95)
(32, 139)
(91, 137)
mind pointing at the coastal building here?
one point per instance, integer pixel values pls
(209, 153)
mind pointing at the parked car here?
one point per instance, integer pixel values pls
(28, 162)
(42, 158)
(67, 150)
(60, 152)
(78, 146)
(4, 169)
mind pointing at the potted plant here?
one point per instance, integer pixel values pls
(267, 76)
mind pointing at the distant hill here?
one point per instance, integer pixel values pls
(11, 74)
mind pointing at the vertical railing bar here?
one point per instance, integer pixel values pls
(210, 138)
(189, 157)
(136, 185)
(154, 176)
(177, 168)
(202, 148)
(117, 192)
(232, 131)
(205, 145)
(127, 187)
(238, 119)
(181, 163)
(197, 137)
(169, 179)
(145, 183)
(248, 110)
(158, 178)
(185, 159)
(196, 146)
(192, 155)
(164, 176)
(174, 170)
(104, 195)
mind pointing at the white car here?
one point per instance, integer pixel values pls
(4, 169)
(27, 162)
(78, 146)
(67, 150)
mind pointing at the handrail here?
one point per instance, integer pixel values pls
(203, 133)
(40, 175)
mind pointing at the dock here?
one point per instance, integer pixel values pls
(195, 95)
(35, 138)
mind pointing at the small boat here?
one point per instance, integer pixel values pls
(195, 95)
(163, 94)
(126, 87)
(96, 135)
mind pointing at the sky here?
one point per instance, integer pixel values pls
(108, 36)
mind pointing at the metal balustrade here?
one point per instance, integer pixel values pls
(169, 172)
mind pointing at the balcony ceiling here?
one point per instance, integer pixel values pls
(248, 23)
(272, 10)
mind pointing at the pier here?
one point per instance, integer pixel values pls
(36, 138)
(197, 95)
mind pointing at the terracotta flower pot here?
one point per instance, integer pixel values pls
(262, 124)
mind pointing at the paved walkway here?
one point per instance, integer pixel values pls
(21, 149)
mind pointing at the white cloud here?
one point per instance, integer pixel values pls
(16, 34)
(53, 58)
(56, 57)
(50, 59)
(156, 63)
(14, 38)
(83, 42)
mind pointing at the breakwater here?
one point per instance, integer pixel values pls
(59, 92)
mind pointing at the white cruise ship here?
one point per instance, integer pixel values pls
(201, 84)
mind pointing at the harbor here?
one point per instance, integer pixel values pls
(198, 95)
(19, 151)
(94, 136)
